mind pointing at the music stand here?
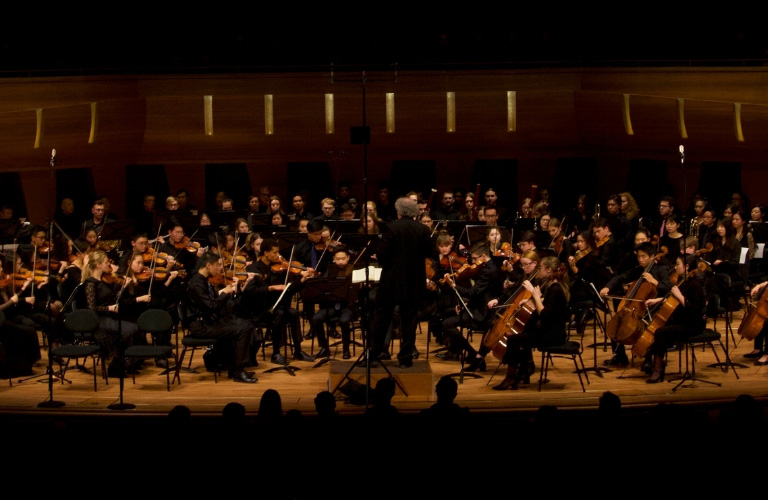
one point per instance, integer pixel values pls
(9, 230)
(327, 290)
(121, 231)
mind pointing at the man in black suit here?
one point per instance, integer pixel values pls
(405, 246)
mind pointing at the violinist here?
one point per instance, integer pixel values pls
(207, 317)
(180, 254)
(607, 244)
(18, 300)
(139, 244)
(309, 251)
(478, 296)
(441, 298)
(686, 320)
(657, 276)
(104, 299)
(144, 289)
(343, 313)
(19, 340)
(726, 251)
(264, 291)
(586, 272)
(546, 327)
(561, 246)
(494, 241)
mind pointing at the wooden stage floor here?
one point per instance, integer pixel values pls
(204, 397)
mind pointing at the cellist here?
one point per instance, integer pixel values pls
(760, 348)
(687, 318)
(657, 275)
(546, 326)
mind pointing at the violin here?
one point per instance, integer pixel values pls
(580, 255)
(626, 326)
(452, 261)
(38, 277)
(666, 308)
(467, 270)
(282, 266)
(505, 250)
(603, 241)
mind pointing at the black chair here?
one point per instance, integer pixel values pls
(155, 322)
(571, 350)
(82, 324)
(718, 306)
(192, 344)
(706, 338)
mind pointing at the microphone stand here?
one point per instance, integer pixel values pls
(121, 359)
(50, 402)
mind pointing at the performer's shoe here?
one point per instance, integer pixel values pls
(161, 363)
(384, 356)
(447, 356)
(243, 377)
(477, 365)
(754, 354)
(303, 356)
(617, 361)
(508, 384)
(278, 359)
(406, 362)
(324, 352)
(234, 373)
(345, 354)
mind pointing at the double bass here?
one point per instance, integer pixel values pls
(626, 326)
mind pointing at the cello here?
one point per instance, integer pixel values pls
(753, 321)
(660, 318)
(519, 310)
(626, 326)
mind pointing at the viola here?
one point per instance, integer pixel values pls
(626, 326)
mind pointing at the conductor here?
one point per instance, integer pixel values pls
(405, 246)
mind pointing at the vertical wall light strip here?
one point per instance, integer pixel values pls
(626, 117)
(390, 112)
(511, 111)
(681, 118)
(94, 122)
(737, 121)
(451, 111)
(269, 119)
(329, 125)
(208, 114)
(39, 129)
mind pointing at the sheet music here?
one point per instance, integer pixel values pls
(759, 251)
(743, 257)
(374, 274)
